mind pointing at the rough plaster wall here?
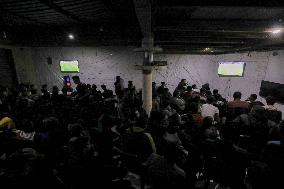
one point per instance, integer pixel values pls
(97, 65)
(255, 70)
(203, 69)
(259, 66)
(23, 63)
(194, 68)
(24, 66)
(101, 64)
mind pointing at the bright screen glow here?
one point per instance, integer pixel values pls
(69, 66)
(231, 69)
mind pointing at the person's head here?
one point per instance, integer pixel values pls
(193, 107)
(207, 122)
(253, 97)
(94, 86)
(237, 95)
(202, 91)
(118, 78)
(206, 86)
(55, 90)
(88, 86)
(28, 126)
(183, 81)
(103, 87)
(194, 86)
(44, 87)
(163, 83)
(176, 93)
(130, 84)
(259, 113)
(270, 100)
(195, 98)
(174, 123)
(215, 91)
(188, 88)
(210, 99)
(208, 93)
(33, 91)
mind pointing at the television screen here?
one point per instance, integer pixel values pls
(231, 69)
(69, 66)
(275, 90)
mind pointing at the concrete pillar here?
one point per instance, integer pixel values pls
(147, 91)
(147, 75)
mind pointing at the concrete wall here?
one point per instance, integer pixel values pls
(259, 66)
(100, 65)
(195, 69)
(23, 62)
(97, 65)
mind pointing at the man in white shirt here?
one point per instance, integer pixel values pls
(270, 101)
(210, 110)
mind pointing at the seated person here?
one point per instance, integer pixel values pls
(163, 171)
(272, 112)
(270, 101)
(237, 106)
(196, 116)
(177, 102)
(160, 89)
(166, 109)
(210, 110)
(181, 86)
(139, 144)
(187, 94)
(7, 123)
(106, 92)
(237, 102)
(252, 100)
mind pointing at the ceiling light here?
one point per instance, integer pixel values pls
(276, 31)
(206, 49)
(71, 36)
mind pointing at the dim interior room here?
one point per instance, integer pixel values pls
(142, 94)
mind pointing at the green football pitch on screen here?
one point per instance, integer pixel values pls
(231, 69)
(69, 66)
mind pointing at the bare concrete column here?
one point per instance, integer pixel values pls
(147, 74)
(147, 91)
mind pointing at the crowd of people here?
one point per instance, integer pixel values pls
(86, 137)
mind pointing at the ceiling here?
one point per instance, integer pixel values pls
(179, 26)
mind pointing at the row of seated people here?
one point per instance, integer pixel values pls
(191, 140)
